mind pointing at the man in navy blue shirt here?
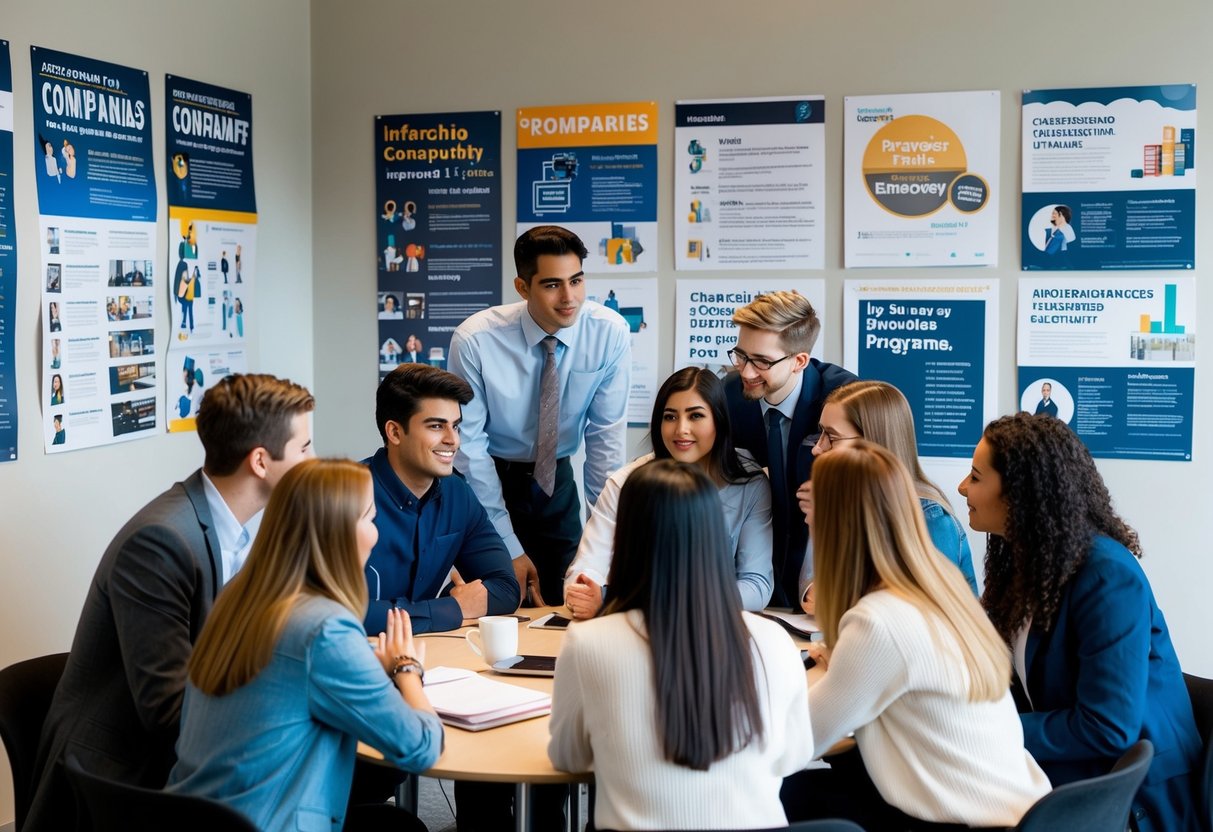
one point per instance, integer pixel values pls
(429, 521)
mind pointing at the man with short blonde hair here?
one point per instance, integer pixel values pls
(775, 401)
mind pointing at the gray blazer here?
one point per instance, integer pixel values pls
(118, 705)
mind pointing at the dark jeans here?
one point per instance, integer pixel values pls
(549, 528)
(846, 791)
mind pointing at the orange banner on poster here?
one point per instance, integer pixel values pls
(587, 125)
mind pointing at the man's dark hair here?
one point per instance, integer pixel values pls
(544, 239)
(247, 411)
(401, 391)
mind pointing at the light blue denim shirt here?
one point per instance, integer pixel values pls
(281, 748)
(498, 352)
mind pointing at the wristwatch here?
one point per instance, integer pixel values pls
(407, 664)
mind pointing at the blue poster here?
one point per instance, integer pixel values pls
(8, 265)
(933, 350)
(212, 240)
(93, 138)
(97, 207)
(1109, 178)
(1115, 360)
(438, 229)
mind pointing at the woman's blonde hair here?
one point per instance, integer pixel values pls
(882, 415)
(869, 533)
(307, 545)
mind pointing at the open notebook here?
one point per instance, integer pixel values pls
(470, 701)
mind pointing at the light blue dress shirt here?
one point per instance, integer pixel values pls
(235, 540)
(498, 352)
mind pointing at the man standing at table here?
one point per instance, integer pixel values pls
(775, 401)
(118, 706)
(429, 521)
(546, 372)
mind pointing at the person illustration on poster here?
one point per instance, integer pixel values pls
(225, 311)
(239, 255)
(186, 294)
(181, 169)
(1047, 405)
(408, 221)
(391, 308)
(56, 360)
(412, 350)
(52, 164)
(60, 432)
(223, 265)
(391, 257)
(1059, 233)
(56, 389)
(53, 314)
(69, 159)
(239, 319)
(611, 301)
(415, 253)
(389, 353)
(187, 404)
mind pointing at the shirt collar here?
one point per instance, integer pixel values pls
(227, 527)
(788, 406)
(397, 490)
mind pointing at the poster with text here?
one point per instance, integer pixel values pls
(920, 177)
(749, 183)
(96, 225)
(1113, 359)
(592, 168)
(212, 240)
(937, 342)
(1109, 178)
(635, 298)
(705, 331)
(8, 265)
(438, 221)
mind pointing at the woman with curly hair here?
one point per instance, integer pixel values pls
(1094, 665)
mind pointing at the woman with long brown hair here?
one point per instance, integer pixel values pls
(1094, 663)
(914, 667)
(282, 683)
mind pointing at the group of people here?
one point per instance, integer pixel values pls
(790, 483)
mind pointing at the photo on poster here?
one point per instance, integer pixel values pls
(921, 179)
(1109, 178)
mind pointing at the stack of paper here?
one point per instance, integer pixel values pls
(470, 701)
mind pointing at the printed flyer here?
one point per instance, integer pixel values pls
(1109, 178)
(937, 342)
(1114, 359)
(592, 168)
(920, 178)
(749, 183)
(8, 266)
(97, 223)
(635, 298)
(212, 240)
(705, 331)
(438, 243)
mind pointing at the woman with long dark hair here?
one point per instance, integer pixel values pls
(1093, 659)
(688, 710)
(914, 668)
(282, 683)
(690, 423)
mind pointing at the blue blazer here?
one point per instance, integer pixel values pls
(1106, 676)
(750, 434)
(281, 748)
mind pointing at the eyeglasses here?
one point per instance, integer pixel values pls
(826, 440)
(740, 359)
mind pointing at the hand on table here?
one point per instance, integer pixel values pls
(472, 596)
(583, 597)
(528, 581)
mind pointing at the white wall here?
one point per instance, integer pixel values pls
(57, 513)
(382, 56)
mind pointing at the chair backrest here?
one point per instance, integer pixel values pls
(1200, 691)
(26, 690)
(1100, 804)
(830, 825)
(118, 807)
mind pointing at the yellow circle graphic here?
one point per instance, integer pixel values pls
(909, 164)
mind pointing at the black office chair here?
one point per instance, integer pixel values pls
(1099, 804)
(829, 825)
(26, 689)
(1200, 691)
(118, 807)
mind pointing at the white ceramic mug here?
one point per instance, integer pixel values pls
(496, 639)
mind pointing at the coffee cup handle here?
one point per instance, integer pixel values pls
(477, 647)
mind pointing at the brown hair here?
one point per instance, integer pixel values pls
(247, 411)
(307, 545)
(789, 314)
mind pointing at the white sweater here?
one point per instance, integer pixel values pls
(898, 682)
(604, 719)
